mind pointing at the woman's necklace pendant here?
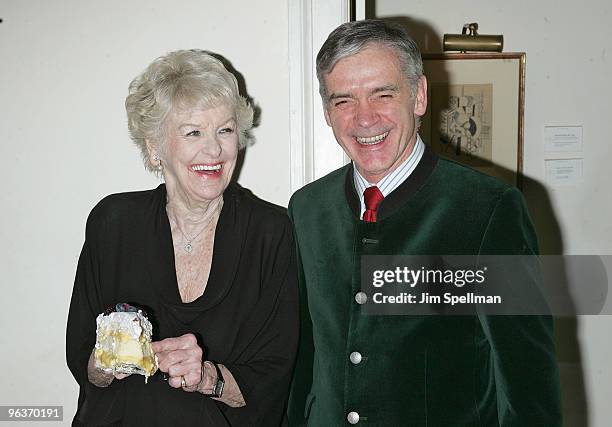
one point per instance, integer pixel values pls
(188, 248)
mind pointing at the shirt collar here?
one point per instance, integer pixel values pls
(394, 179)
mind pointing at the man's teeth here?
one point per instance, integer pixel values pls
(371, 139)
(206, 167)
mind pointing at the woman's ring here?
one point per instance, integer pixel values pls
(183, 383)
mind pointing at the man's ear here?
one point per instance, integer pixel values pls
(420, 101)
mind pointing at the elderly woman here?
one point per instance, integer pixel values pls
(213, 266)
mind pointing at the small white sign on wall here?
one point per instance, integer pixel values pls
(562, 139)
(563, 172)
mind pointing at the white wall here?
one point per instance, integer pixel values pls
(64, 70)
(569, 64)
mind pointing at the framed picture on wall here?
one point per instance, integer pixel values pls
(475, 114)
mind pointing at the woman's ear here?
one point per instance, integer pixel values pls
(154, 159)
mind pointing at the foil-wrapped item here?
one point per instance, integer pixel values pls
(123, 342)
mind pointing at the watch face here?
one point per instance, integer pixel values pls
(219, 387)
(220, 384)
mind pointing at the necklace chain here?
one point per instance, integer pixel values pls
(187, 246)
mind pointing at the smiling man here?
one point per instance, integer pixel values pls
(371, 108)
(398, 198)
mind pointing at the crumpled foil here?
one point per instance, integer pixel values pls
(123, 342)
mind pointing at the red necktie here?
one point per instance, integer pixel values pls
(372, 198)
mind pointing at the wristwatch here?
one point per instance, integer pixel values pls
(217, 389)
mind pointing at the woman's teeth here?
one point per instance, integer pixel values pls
(206, 167)
(371, 140)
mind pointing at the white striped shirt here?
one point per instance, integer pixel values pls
(390, 182)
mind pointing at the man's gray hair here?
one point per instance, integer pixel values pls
(181, 80)
(352, 37)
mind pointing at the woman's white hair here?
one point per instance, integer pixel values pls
(181, 80)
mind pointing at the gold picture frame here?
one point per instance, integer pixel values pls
(478, 102)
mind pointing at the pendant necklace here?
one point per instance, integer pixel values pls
(188, 247)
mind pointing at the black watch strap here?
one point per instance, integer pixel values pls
(217, 389)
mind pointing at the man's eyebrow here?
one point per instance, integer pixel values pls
(387, 88)
(338, 95)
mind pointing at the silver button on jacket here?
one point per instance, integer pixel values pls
(361, 297)
(352, 417)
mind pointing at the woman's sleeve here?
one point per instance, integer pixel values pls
(85, 305)
(95, 404)
(263, 375)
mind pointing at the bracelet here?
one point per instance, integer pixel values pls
(217, 389)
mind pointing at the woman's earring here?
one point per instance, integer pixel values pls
(158, 160)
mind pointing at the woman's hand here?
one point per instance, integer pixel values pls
(99, 377)
(181, 359)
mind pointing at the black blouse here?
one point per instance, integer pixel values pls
(246, 319)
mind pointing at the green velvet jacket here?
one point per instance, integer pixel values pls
(415, 370)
